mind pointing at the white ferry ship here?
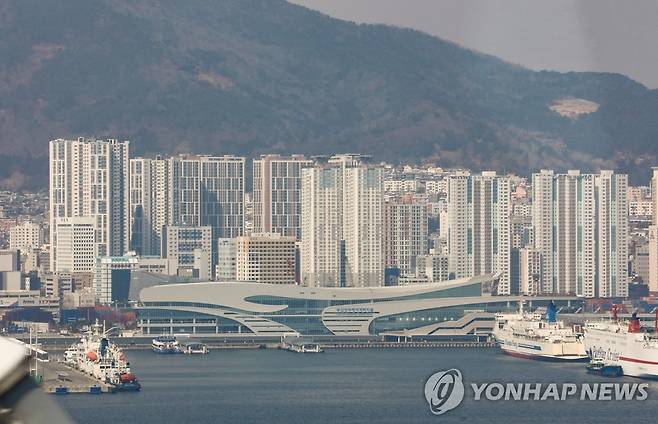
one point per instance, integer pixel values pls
(627, 345)
(96, 356)
(166, 344)
(530, 336)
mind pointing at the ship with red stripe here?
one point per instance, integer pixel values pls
(626, 344)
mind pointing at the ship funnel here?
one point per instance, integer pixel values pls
(551, 312)
(103, 346)
(634, 325)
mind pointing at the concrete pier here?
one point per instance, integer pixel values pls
(410, 345)
(59, 378)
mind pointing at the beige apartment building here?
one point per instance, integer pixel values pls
(266, 258)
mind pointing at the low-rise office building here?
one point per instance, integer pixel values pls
(265, 258)
(112, 277)
(191, 248)
(26, 236)
(10, 270)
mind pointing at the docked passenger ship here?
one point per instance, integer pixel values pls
(166, 344)
(627, 345)
(96, 356)
(531, 336)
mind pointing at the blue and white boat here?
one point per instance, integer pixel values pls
(166, 345)
(598, 366)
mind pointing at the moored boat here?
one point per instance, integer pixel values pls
(101, 359)
(627, 345)
(533, 337)
(127, 383)
(192, 347)
(166, 345)
(300, 344)
(598, 366)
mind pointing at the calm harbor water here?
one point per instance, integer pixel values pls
(340, 386)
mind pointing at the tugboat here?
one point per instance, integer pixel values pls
(630, 346)
(96, 356)
(166, 345)
(599, 367)
(127, 383)
(532, 337)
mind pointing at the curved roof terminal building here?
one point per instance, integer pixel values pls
(452, 308)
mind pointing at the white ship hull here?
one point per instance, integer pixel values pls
(541, 350)
(637, 356)
(530, 336)
(167, 346)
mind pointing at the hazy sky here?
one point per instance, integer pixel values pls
(565, 35)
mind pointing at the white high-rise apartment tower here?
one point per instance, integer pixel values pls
(185, 190)
(653, 235)
(574, 254)
(89, 178)
(542, 222)
(208, 191)
(277, 194)
(323, 245)
(564, 230)
(612, 202)
(459, 222)
(342, 223)
(479, 239)
(405, 233)
(581, 232)
(149, 203)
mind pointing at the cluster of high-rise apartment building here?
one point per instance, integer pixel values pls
(338, 221)
(342, 223)
(581, 232)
